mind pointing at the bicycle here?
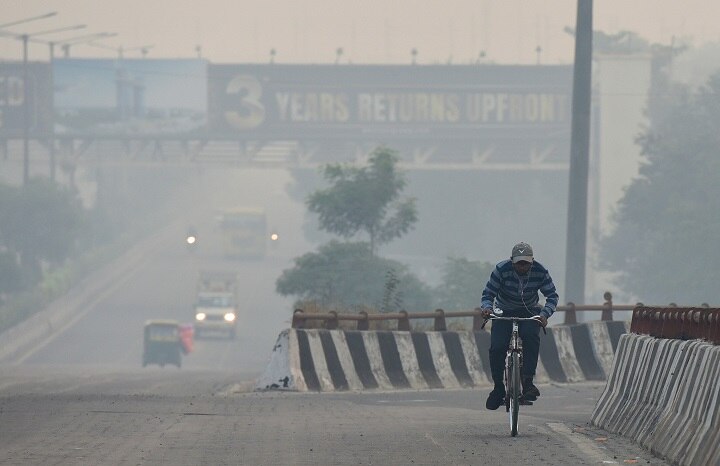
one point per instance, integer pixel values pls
(513, 365)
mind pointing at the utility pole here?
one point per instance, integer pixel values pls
(575, 258)
(26, 112)
(25, 38)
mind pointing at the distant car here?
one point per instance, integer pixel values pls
(215, 314)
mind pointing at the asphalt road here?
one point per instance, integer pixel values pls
(92, 415)
(82, 397)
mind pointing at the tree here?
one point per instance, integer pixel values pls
(665, 243)
(40, 222)
(462, 284)
(365, 199)
(348, 276)
(10, 274)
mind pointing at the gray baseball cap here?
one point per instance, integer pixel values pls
(522, 252)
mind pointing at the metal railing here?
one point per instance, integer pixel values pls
(683, 323)
(332, 319)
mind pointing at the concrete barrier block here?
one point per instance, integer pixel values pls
(665, 394)
(337, 360)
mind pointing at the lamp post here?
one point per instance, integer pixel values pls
(121, 50)
(27, 20)
(25, 38)
(26, 112)
(26, 163)
(79, 40)
(575, 255)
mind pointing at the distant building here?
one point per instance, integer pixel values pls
(130, 95)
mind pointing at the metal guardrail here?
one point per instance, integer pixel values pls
(683, 323)
(686, 323)
(332, 319)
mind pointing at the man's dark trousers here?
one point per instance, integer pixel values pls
(500, 341)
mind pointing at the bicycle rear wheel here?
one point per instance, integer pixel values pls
(514, 394)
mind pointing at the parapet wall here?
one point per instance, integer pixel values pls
(340, 360)
(665, 395)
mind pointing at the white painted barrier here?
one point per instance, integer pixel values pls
(338, 360)
(665, 394)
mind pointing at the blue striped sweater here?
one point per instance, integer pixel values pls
(518, 295)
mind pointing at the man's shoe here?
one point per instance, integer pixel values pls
(495, 399)
(530, 391)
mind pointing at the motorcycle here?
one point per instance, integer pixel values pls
(191, 239)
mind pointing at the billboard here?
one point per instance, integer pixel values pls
(130, 97)
(389, 102)
(13, 93)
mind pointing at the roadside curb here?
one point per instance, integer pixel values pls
(23, 339)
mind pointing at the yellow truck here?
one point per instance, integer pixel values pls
(244, 232)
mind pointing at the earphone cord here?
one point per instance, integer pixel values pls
(521, 288)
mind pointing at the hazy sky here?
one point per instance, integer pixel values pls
(368, 31)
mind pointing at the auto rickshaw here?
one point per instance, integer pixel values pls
(162, 343)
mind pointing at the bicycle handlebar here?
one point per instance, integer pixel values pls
(493, 317)
(496, 317)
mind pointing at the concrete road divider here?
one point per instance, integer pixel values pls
(665, 394)
(341, 360)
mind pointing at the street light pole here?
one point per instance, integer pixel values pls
(51, 145)
(85, 39)
(576, 246)
(25, 38)
(26, 113)
(27, 20)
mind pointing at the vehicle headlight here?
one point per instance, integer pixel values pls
(200, 316)
(229, 317)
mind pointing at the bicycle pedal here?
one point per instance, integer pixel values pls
(526, 403)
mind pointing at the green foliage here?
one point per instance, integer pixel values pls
(40, 222)
(462, 284)
(349, 276)
(365, 199)
(10, 273)
(392, 300)
(667, 223)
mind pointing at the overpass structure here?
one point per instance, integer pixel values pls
(438, 117)
(503, 124)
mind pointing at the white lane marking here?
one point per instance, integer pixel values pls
(404, 401)
(435, 442)
(591, 451)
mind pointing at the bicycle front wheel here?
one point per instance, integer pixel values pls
(515, 394)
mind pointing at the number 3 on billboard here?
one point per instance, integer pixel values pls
(249, 112)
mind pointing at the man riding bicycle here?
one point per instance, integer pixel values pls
(513, 287)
